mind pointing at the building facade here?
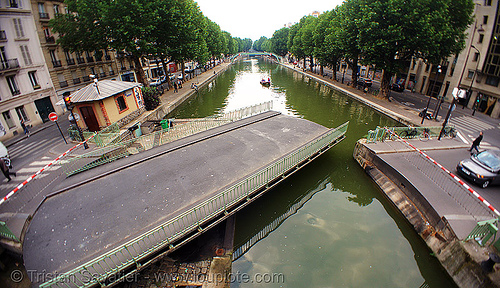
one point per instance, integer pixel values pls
(26, 89)
(476, 69)
(71, 71)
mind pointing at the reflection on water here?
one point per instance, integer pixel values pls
(327, 225)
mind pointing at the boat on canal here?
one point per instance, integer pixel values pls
(265, 82)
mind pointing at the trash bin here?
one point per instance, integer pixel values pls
(164, 124)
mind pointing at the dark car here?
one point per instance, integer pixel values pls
(397, 87)
(482, 168)
(365, 82)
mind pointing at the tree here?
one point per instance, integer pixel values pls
(348, 31)
(391, 33)
(327, 48)
(214, 39)
(279, 41)
(257, 45)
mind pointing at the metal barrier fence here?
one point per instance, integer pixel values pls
(6, 233)
(383, 133)
(115, 151)
(129, 255)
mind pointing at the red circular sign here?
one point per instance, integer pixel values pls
(53, 116)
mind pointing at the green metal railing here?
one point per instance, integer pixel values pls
(114, 149)
(6, 233)
(132, 254)
(381, 134)
(483, 231)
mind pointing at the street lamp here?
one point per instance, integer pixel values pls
(474, 107)
(424, 113)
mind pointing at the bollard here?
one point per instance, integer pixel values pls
(487, 265)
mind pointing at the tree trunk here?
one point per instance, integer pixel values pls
(334, 70)
(141, 77)
(321, 70)
(165, 71)
(354, 74)
(183, 73)
(311, 64)
(384, 84)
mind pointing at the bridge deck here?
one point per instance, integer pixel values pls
(132, 195)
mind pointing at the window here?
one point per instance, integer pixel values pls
(470, 74)
(481, 38)
(18, 26)
(21, 114)
(92, 70)
(487, 2)
(8, 119)
(13, 4)
(11, 80)
(56, 9)
(26, 55)
(476, 57)
(41, 8)
(33, 80)
(485, 19)
(62, 81)
(492, 80)
(120, 101)
(427, 67)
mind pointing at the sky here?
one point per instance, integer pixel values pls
(255, 18)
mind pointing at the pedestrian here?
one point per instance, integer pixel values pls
(175, 87)
(475, 144)
(25, 128)
(180, 84)
(5, 170)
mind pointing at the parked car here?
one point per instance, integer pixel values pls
(397, 87)
(482, 168)
(155, 83)
(365, 82)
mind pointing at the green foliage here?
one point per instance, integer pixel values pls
(257, 45)
(151, 97)
(279, 41)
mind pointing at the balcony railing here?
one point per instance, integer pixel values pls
(80, 60)
(123, 68)
(16, 92)
(3, 36)
(86, 78)
(102, 75)
(13, 4)
(107, 57)
(77, 81)
(111, 73)
(56, 63)
(44, 15)
(50, 39)
(90, 59)
(9, 64)
(70, 61)
(98, 59)
(63, 84)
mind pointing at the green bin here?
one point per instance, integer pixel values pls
(164, 124)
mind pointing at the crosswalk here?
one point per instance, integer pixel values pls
(470, 128)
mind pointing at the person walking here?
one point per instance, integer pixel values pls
(25, 128)
(475, 144)
(175, 86)
(5, 170)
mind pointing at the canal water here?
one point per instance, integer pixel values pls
(327, 225)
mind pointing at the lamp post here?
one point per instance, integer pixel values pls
(474, 107)
(424, 113)
(453, 102)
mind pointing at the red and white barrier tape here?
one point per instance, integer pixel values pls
(40, 171)
(451, 174)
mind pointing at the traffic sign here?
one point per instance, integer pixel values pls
(53, 116)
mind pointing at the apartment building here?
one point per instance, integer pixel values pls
(476, 69)
(71, 71)
(26, 89)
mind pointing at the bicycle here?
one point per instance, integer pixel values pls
(450, 132)
(410, 133)
(425, 135)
